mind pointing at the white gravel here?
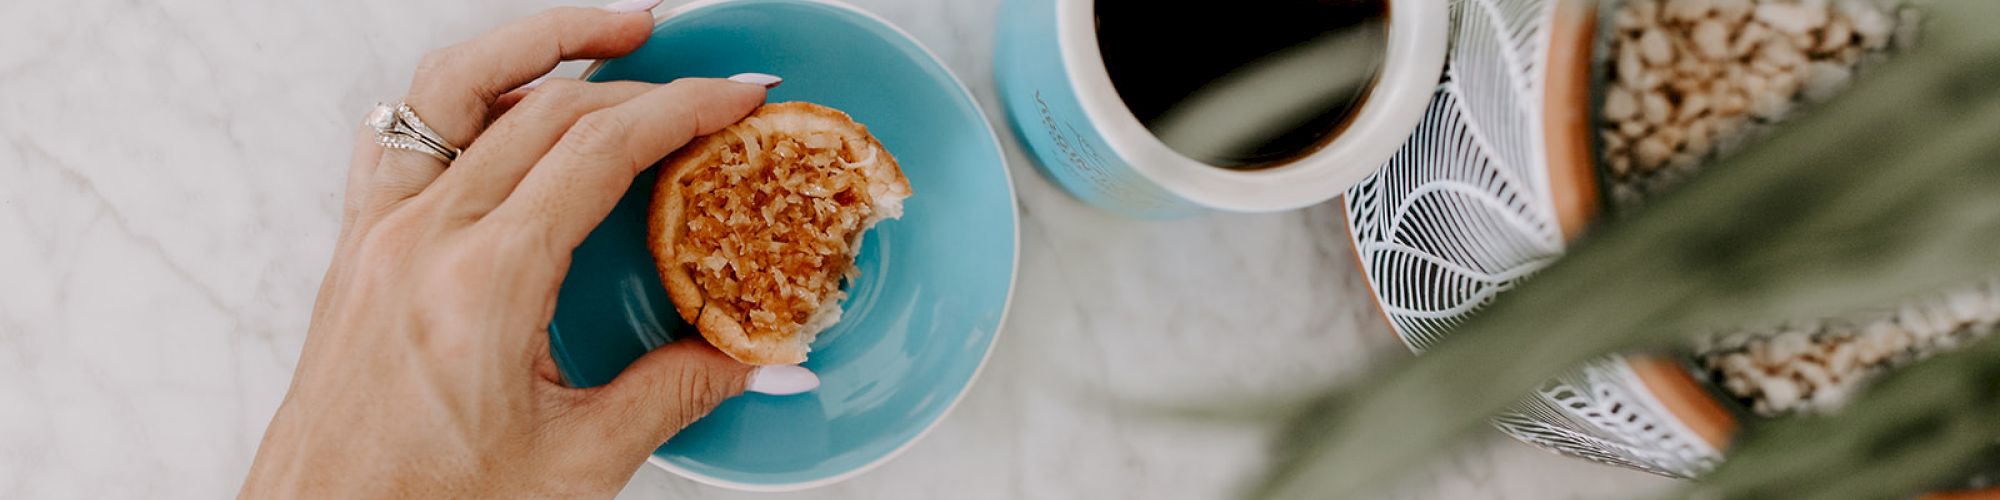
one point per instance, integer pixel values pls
(1813, 365)
(1691, 80)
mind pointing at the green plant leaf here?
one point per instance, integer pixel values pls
(1912, 430)
(1889, 191)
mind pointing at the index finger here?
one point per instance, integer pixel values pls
(571, 189)
(455, 86)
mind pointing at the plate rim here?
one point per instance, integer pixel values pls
(1013, 271)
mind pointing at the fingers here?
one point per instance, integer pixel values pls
(506, 102)
(666, 390)
(502, 155)
(454, 87)
(569, 191)
(457, 84)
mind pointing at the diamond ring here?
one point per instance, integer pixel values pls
(398, 127)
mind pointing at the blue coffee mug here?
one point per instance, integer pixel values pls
(1064, 108)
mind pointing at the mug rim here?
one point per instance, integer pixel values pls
(1387, 112)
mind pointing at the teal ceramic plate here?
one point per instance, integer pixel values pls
(934, 285)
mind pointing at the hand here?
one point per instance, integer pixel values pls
(426, 371)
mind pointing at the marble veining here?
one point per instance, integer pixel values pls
(170, 183)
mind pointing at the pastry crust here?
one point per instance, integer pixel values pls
(720, 320)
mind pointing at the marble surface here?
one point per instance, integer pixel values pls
(170, 181)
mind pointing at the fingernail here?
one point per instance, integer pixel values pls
(536, 83)
(768, 81)
(625, 6)
(782, 380)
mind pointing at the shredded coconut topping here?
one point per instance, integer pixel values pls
(772, 228)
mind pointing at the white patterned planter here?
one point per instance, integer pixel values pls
(1482, 196)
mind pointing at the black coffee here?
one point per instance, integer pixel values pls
(1246, 83)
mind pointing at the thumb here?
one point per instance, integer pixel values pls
(678, 383)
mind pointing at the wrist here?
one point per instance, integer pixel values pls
(292, 463)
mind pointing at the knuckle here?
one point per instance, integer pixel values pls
(451, 344)
(393, 230)
(436, 62)
(437, 78)
(553, 98)
(522, 242)
(677, 120)
(698, 395)
(523, 250)
(703, 387)
(683, 84)
(384, 250)
(442, 210)
(688, 90)
(454, 285)
(562, 89)
(696, 387)
(530, 248)
(597, 133)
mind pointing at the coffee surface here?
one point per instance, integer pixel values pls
(1243, 84)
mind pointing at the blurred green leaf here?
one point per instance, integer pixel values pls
(1889, 191)
(1909, 432)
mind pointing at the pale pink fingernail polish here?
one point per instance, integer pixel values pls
(768, 81)
(625, 6)
(782, 380)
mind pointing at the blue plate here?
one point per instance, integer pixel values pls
(934, 285)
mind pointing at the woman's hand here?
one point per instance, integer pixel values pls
(427, 372)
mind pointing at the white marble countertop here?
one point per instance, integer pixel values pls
(170, 182)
